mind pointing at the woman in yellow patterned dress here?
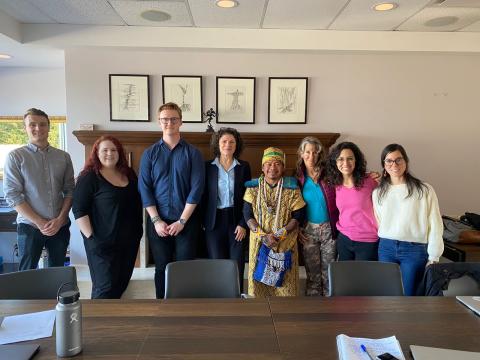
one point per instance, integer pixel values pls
(273, 209)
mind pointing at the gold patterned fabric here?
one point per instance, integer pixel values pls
(291, 200)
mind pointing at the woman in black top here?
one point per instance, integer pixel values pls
(108, 211)
(225, 177)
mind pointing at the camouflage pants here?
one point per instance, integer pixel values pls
(318, 252)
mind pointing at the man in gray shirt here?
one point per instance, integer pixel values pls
(38, 182)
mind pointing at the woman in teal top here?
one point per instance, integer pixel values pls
(319, 233)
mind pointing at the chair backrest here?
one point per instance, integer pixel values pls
(212, 278)
(365, 278)
(463, 286)
(35, 284)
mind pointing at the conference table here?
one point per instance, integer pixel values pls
(274, 328)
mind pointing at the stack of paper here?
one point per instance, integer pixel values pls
(350, 348)
(27, 327)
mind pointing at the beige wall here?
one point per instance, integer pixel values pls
(427, 102)
(24, 87)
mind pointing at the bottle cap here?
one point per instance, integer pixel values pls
(68, 297)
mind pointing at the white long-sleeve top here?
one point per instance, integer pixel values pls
(410, 219)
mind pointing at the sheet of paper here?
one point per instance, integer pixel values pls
(350, 349)
(27, 327)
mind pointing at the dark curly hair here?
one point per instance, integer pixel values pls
(215, 139)
(335, 177)
(414, 185)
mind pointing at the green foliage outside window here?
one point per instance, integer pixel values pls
(14, 133)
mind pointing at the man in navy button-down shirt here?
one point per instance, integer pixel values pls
(171, 182)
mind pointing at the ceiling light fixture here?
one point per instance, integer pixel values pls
(5, 56)
(155, 15)
(385, 6)
(226, 3)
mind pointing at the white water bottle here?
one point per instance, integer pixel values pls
(68, 314)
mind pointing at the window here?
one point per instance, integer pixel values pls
(13, 135)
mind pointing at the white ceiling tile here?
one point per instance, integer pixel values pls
(461, 17)
(131, 12)
(475, 27)
(301, 14)
(247, 15)
(25, 12)
(80, 12)
(359, 15)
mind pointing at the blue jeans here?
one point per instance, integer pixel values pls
(412, 258)
(31, 242)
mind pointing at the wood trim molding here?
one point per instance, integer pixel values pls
(16, 118)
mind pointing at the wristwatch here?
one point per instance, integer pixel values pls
(182, 221)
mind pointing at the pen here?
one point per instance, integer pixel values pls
(364, 348)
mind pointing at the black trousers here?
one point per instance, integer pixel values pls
(31, 242)
(110, 267)
(348, 249)
(221, 243)
(172, 248)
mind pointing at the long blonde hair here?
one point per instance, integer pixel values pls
(322, 155)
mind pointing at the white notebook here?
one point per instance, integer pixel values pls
(349, 348)
(472, 302)
(429, 353)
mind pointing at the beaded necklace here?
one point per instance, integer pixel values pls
(262, 195)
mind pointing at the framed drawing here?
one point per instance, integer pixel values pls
(287, 100)
(186, 92)
(129, 97)
(235, 100)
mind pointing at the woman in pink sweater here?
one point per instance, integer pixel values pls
(346, 171)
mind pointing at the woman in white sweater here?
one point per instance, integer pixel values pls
(409, 222)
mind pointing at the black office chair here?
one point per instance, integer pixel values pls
(365, 278)
(212, 278)
(35, 284)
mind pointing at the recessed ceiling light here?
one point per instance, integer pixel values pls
(155, 15)
(5, 56)
(227, 3)
(385, 6)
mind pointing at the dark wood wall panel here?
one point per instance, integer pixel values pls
(135, 142)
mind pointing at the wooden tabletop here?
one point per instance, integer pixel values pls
(277, 328)
(306, 328)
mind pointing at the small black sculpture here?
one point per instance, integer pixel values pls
(210, 114)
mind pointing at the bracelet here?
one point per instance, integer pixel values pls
(155, 219)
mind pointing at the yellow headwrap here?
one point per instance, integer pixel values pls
(273, 153)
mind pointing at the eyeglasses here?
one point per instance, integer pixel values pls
(348, 159)
(398, 161)
(172, 120)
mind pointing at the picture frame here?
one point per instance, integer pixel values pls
(235, 100)
(129, 97)
(287, 100)
(186, 92)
